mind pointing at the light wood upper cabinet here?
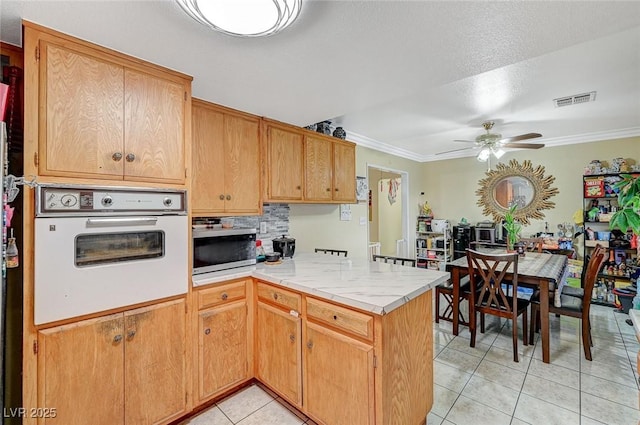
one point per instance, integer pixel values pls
(344, 172)
(303, 166)
(318, 169)
(285, 162)
(81, 371)
(226, 161)
(125, 368)
(105, 115)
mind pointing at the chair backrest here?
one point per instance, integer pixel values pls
(532, 244)
(487, 272)
(593, 267)
(337, 252)
(374, 249)
(395, 260)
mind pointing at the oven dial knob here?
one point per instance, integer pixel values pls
(107, 201)
(167, 202)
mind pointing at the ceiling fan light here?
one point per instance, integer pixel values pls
(243, 18)
(498, 152)
(484, 154)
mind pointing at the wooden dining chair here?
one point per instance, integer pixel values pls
(574, 306)
(446, 291)
(532, 244)
(488, 271)
(579, 292)
(395, 260)
(337, 252)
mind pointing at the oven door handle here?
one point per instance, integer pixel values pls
(121, 221)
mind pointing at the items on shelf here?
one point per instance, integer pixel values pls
(433, 243)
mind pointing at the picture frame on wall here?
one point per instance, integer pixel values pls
(362, 189)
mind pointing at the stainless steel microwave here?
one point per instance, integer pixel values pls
(221, 249)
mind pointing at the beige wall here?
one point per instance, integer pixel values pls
(450, 187)
(320, 226)
(389, 216)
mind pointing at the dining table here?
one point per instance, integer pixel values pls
(540, 271)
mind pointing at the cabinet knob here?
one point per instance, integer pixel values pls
(130, 157)
(224, 296)
(298, 187)
(116, 156)
(292, 338)
(117, 338)
(222, 197)
(310, 345)
(275, 296)
(207, 331)
(130, 335)
(336, 189)
(328, 189)
(228, 197)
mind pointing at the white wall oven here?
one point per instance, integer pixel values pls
(100, 248)
(221, 249)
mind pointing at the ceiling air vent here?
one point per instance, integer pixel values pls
(575, 99)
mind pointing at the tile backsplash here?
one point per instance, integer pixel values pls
(276, 217)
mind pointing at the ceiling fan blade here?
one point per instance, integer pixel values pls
(455, 150)
(520, 137)
(523, 145)
(464, 141)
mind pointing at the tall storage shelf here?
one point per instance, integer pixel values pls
(600, 202)
(433, 249)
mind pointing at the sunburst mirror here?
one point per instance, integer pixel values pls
(519, 184)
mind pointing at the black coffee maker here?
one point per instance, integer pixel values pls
(463, 235)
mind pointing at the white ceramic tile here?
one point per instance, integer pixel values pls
(622, 374)
(449, 377)
(433, 419)
(244, 403)
(211, 416)
(467, 411)
(612, 391)
(561, 353)
(552, 392)
(443, 399)
(606, 411)
(555, 373)
(536, 411)
(516, 421)
(459, 360)
(272, 414)
(588, 421)
(495, 372)
(505, 342)
(491, 394)
(462, 344)
(505, 358)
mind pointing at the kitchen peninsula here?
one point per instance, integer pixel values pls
(350, 332)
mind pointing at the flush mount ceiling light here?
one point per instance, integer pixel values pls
(243, 18)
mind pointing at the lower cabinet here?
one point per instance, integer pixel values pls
(223, 338)
(279, 365)
(338, 371)
(126, 368)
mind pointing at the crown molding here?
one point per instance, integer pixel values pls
(549, 142)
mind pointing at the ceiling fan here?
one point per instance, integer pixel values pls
(493, 143)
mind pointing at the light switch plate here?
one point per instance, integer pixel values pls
(345, 212)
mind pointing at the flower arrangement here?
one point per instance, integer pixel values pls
(512, 227)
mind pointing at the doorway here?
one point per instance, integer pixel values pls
(388, 209)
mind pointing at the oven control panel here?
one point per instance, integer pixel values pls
(59, 199)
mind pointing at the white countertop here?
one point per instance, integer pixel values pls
(371, 286)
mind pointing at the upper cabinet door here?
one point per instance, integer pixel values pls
(154, 111)
(344, 175)
(284, 164)
(207, 180)
(242, 164)
(81, 119)
(318, 169)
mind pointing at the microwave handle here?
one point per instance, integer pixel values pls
(121, 221)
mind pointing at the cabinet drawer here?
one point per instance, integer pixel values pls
(281, 297)
(221, 294)
(354, 322)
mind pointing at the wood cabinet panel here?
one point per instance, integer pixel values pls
(338, 371)
(154, 111)
(155, 369)
(354, 322)
(226, 161)
(344, 176)
(285, 164)
(281, 297)
(222, 342)
(82, 117)
(208, 171)
(220, 294)
(318, 169)
(279, 351)
(80, 371)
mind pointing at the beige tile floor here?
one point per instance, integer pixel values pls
(482, 385)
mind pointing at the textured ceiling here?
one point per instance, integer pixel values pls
(407, 77)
